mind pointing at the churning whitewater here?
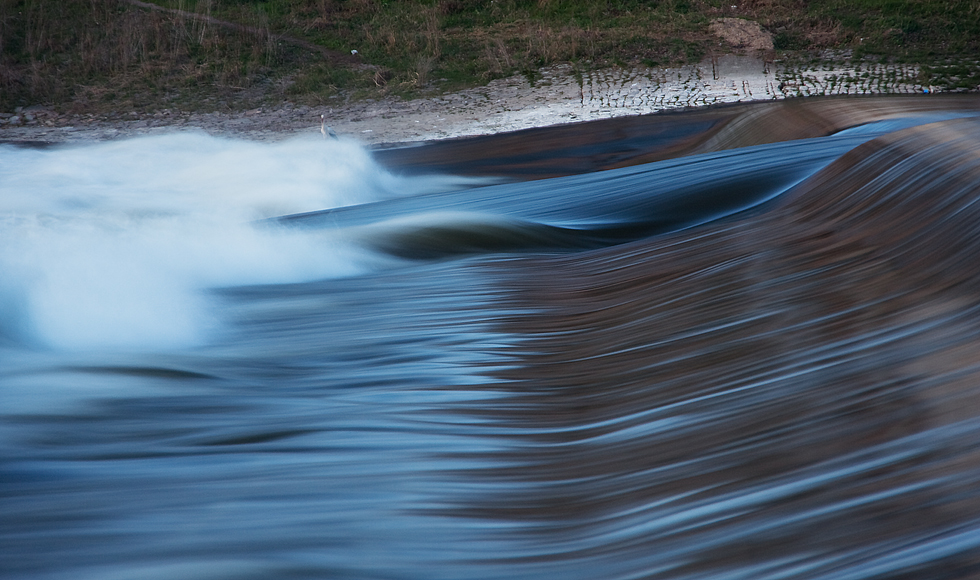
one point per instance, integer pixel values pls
(739, 342)
(115, 245)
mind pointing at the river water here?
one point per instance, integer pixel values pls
(734, 343)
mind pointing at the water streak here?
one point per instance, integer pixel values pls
(743, 344)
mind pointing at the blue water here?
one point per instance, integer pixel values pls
(222, 359)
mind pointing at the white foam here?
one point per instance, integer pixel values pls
(113, 246)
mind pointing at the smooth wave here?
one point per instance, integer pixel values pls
(791, 395)
(746, 349)
(578, 148)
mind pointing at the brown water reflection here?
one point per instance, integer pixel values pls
(788, 391)
(789, 394)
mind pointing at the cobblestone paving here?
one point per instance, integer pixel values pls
(555, 95)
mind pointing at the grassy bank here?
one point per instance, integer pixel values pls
(214, 54)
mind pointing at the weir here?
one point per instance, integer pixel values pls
(739, 344)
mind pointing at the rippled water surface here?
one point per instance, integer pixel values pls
(735, 343)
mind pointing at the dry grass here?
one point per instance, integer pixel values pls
(103, 53)
(232, 53)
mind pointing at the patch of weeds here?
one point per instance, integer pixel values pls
(324, 80)
(50, 49)
(789, 41)
(952, 76)
(531, 74)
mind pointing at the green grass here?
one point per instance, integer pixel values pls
(107, 54)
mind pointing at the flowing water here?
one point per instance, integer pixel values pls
(735, 343)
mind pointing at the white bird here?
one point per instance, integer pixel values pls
(325, 130)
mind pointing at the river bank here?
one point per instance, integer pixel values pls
(555, 95)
